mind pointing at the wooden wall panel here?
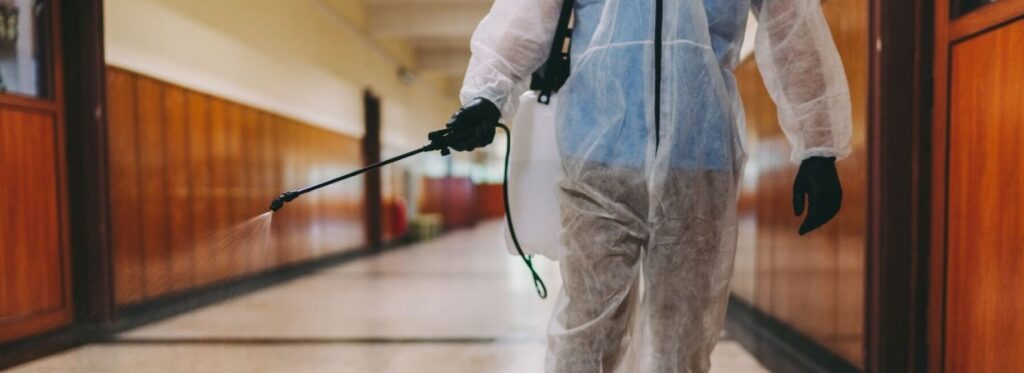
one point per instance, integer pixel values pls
(35, 202)
(813, 283)
(217, 263)
(298, 244)
(984, 297)
(179, 194)
(249, 260)
(264, 188)
(189, 172)
(34, 294)
(305, 248)
(290, 218)
(284, 220)
(328, 167)
(330, 209)
(277, 177)
(234, 254)
(200, 184)
(306, 238)
(125, 195)
(350, 206)
(153, 182)
(315, 202)
(260, 194)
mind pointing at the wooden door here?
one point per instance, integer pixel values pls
(372, 180)
(984, 328)
(35, 287)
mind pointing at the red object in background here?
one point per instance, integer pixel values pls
(452, 197)
(457, 205)
(396, 224)
(490, 203)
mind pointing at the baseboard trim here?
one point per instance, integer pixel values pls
(779, 347)
(133, 316)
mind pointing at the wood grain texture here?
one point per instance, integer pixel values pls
(985, 18)
(200, 183)
(235, 262)
(179, 192)
(33, 281)
(287, 220)
(217, 263)
(937, 237)
(984, 298)
(187, 167)
(813, 283)
(271, 179)
(35, 271)
(282, 219)
(126, 195)
(312, 202)
(153, 184)
(255, 200)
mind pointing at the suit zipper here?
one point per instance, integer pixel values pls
(658, 9)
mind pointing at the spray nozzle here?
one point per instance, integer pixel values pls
(285, 197)
(440, 140)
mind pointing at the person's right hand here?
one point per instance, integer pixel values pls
(473, 125)
(818, 180)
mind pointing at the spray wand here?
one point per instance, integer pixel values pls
(440, 140)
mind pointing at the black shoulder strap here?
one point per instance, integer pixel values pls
(550, 77)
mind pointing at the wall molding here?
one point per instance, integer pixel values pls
(779, 347)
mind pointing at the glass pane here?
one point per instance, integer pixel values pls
(25, 47)
(961, 7)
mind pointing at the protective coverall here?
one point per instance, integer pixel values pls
(649, 130)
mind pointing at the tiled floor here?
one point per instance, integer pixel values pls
(455, 304)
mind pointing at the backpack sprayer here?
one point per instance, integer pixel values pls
(439, 141)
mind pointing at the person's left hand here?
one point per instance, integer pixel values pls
(819, 180)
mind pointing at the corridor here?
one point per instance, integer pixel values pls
(457, 303)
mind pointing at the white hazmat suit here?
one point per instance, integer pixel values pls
(649, 128)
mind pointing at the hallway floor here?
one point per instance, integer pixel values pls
(454, 304)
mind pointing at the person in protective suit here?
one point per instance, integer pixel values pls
(649, 131)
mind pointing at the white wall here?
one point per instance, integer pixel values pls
(295, 58)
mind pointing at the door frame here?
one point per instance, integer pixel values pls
(372, 180)
(899, 180)
(86, 120)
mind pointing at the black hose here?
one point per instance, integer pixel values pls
(538, 283)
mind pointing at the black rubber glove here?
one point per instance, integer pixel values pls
(817, 179)
(473, 125)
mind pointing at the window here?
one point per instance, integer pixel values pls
(25, 50)
(961, 7)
